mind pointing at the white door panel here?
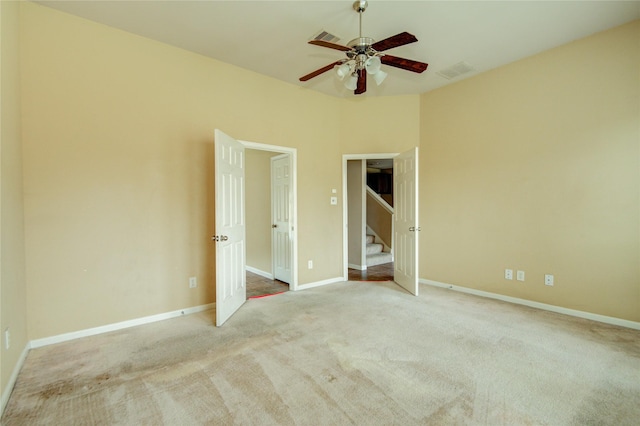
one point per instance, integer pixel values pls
(231, 290)
(405, 181)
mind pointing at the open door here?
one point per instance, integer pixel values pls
(231, 290)
(405, 181)
(281, 217)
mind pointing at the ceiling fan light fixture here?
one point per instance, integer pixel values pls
(343, 70)
(352, 82)
(372, 65)
(363, 56)
(379, 77)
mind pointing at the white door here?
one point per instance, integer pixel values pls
(281, 217)
(231, 291)
(405, 195)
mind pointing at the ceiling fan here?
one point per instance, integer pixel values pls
(364, 57)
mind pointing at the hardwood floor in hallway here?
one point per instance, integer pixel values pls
(382, 272)
(258, 285)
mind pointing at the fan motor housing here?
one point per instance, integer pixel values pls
(361, 44)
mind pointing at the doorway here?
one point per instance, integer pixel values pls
(405, 217)
(269, 207)
(369, 254)
(230, 221)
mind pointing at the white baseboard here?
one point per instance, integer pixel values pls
(6, 392)
(358, 267)
(117, 326)
(321, 283)
(558, 309)
(259, 272)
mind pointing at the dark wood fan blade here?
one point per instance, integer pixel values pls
(362, 83)
(394, 41)
(330, 45)
(405, 64)
(319, 71)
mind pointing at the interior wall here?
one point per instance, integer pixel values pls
(386, 124)
(355, 213)
(535, 166)
(118, 169)
(258, 209)
(12, 259)
(380, 220)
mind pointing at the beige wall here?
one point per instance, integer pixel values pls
(258, 209)
(12, 261)
(379, 125)
(535, 166)
(380, 220)
(118, 166)
(356, 172)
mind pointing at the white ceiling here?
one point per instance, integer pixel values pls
(270, 37)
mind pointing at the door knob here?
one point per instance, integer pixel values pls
(274, 226)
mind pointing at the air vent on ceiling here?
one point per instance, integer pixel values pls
(455, 70)
(325, 36)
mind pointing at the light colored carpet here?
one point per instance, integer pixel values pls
(351, 353)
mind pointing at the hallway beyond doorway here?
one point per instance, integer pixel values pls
(382, 272)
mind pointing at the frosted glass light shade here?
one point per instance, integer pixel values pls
(352, 82)
(373, 65)
(342, 70)
(379, 77)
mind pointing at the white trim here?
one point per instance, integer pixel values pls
(266, 147)
(557, 309)
(6, 393)
(358, 267)
(321, 283)
(259, 272)
(363, 212)
(379, 199)
(117, 326)
(293, 285)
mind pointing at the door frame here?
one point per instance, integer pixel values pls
(274, 261)
(293, 153)
(345, 221)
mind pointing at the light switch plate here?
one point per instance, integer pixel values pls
(334, 201)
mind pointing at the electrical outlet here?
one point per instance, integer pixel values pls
(7, 339)
(310, 264)
(193, 282)
(508, 274)
(548, 279)
(520, 275)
